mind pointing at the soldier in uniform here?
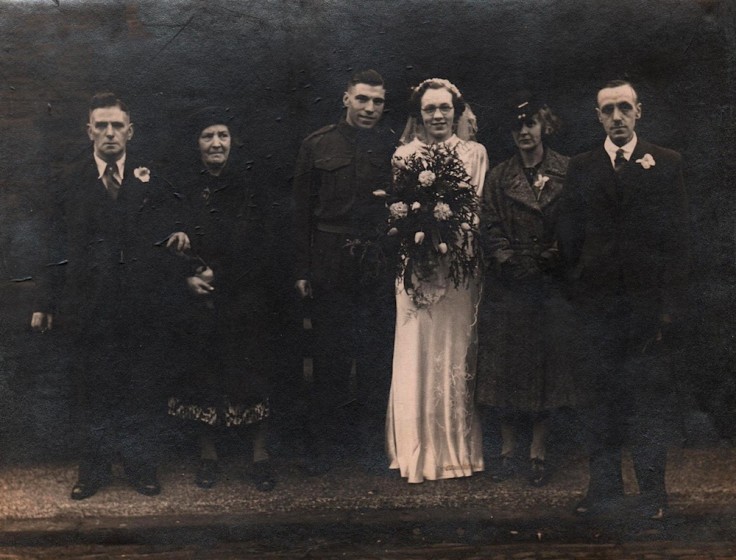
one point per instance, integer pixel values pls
(340, 218)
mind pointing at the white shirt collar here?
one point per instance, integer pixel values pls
(612, 148)
(102, 165)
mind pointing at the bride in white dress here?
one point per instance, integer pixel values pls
(432, 428)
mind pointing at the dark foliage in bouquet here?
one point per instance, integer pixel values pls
(433, 214)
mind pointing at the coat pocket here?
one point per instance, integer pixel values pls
(335, 178)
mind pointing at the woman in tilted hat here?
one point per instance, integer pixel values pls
(521, 370)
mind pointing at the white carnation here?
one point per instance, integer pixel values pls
(442, 211)
(399, 210)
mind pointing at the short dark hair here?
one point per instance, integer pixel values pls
(615, 84)
(107, 99)
(370, 77)
(415, 101)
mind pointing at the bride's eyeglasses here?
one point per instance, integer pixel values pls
(432, 109)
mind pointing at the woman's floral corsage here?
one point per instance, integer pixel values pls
(541, 181)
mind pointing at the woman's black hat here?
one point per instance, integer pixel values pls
(522, 106)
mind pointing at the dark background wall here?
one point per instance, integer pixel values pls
(281, 66)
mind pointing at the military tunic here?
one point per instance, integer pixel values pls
(338, 169)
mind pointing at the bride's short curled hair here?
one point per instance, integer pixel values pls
(415, 101)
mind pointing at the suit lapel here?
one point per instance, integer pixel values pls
(91, 176)
(603, 174)
(132, 190)
(640, 150)
(602, 162)
(633, 175)
(85, 194)
(129, 178)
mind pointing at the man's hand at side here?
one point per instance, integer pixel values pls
(303, 288)
(41, 321)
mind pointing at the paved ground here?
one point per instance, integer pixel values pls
(349, 513)
(348, 551)
(696, 479)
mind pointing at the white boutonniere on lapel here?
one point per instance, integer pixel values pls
(647, 161)
(143, 174)
(541, 181)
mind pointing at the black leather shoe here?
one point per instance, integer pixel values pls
(586, 506)
(539, 473)
(658, 513)
(206, 476)
(652, 507)
(262, 476)
(84, 489)
(503, 468)
(90, 480)
(594, 506)
(144, 481)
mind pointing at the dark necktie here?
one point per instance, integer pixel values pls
(620, 160)
(110, 179)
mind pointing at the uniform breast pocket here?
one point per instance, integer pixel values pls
(335, 177)
(377, 175)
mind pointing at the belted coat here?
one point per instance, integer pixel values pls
(523, 315)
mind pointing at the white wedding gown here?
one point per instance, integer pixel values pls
(432, 428)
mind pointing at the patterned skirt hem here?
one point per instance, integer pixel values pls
(229, 415)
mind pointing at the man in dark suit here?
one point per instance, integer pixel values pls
(623, 234)
(108, 280)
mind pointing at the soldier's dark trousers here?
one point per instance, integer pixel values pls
(352, 351)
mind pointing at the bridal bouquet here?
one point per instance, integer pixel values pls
(433, 212)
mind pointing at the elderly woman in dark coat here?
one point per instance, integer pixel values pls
(225, 357)
(521, 371)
